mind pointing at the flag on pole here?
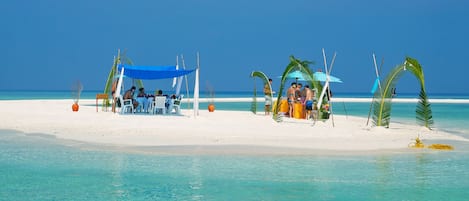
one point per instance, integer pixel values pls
(177, 68)
(175, 78)
(375, 85)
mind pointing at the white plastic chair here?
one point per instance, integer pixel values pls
(159, 105)
(151, 103)
(176, 105)
(126, 105)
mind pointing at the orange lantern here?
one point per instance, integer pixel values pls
(211, 107)
(75, 107)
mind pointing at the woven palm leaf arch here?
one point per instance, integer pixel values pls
(383, 98)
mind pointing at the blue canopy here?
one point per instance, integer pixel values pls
(153, 72)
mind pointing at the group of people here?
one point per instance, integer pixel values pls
(141, 102)
(306, 96)
(296, 93)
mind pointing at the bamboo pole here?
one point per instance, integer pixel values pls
(329, 88)
(379, 87)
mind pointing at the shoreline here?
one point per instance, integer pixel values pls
(217, 132)
(262, 99)
(221, 150)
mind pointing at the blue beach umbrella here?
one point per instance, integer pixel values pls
(321, 76)
(297, 75)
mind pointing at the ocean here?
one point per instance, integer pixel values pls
(36, 166)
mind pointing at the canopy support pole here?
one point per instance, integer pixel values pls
(185, 78)
(196, 88)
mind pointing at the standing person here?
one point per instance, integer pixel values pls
(299, 98)
(114, 95)
(303, 100)
(291, 98)
(303, 93)
(309, 101)
(268, 96)
(328, 93)
(298, 92)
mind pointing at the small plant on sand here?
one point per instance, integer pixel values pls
(77, 87)
(211, 95)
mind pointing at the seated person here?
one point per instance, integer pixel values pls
(159, 93)
(129, 94)
(170, 101)
(142, 99)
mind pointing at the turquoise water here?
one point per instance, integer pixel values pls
(38, 167)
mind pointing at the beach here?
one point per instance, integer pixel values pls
(228, 129)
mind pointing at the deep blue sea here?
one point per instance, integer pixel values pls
(38, 167)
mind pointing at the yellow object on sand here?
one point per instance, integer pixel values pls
(417, 144)
(441, 146)
(283, 106)
(298, 111)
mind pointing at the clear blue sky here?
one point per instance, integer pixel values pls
(49, 44)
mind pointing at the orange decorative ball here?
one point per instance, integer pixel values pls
(75, 107)
(211, 107)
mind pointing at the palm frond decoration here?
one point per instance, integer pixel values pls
(112, 73)
(265, 81)
(423, 112)
(382, 100)
(110, 77)
(254, 101)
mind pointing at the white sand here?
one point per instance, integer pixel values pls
(228, 128)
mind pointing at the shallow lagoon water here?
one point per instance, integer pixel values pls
(37, 167)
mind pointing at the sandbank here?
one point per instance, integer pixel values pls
(231, 129)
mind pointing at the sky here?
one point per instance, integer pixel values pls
(50, 44)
